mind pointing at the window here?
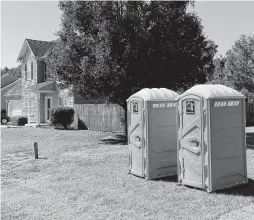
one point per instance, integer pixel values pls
(32, 72)
(31, 106)
(61, 101)
(68, 101)
(25, 72)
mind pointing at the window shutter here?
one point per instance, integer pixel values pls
(25, 72)
(45, 71)
(32, 70)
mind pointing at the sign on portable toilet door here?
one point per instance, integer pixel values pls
(190, 108)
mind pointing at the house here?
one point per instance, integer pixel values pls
(39, 91)
(12, 104)
(13, 99)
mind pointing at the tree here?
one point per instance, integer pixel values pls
(236, 69)
(4, 70)
(113, 49)
(15, 71)
(240, 63)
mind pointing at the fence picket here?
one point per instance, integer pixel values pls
(101, 117)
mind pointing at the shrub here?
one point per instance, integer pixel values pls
(19, 120)
(3, 111)
(62, 117)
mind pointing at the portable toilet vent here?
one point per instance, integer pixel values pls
(152, 135)
(211, 137)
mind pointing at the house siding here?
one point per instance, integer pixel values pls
(26, 83)
(68, 99)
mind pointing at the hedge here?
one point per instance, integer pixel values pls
(62, 117)
(19, 120)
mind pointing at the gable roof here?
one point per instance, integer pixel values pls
(38, 48)
(15, 90)
(7, 79)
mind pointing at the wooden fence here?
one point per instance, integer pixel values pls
(249, 113)
(101, 117)
(108, 117)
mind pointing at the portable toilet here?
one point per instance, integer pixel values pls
(211, 137)
(152, 135)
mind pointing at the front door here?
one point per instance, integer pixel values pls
(190, 145)
(135, 137)
(48, 106)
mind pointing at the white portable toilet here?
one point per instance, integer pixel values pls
(211, 137)
(152, 135)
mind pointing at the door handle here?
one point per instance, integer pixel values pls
(136, 140)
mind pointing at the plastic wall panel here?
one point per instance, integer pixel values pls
(162, 139)
(228, 162)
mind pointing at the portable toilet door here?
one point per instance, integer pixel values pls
(152, 136)
(211, 137)
(135, 118)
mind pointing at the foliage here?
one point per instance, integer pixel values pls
(15, 71)
(62, 116)
(4, 70)
(113, 49)
(19, 120)
(3, 112)
(236, 69)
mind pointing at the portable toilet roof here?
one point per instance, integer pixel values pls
(154, 93)
(209, 91)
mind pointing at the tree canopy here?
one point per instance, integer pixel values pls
(15, 71)
(114, 48)
(236, 68)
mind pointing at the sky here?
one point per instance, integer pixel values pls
(223, 23)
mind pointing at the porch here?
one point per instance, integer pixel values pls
(42, 98)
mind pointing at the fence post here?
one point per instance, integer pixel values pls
(35, 150)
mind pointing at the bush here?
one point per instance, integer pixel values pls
(19, 120)
(62, 117)
(3, 111)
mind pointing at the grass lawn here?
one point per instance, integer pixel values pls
(81, 175)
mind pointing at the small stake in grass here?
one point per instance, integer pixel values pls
(35, 150)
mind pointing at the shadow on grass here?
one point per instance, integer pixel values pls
(119, 139)
(173, 179)
(82, 125)
(42, 158)
(250, 140)
(241, 190)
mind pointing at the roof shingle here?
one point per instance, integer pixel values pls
(38, 47)
(15, 90)
(6, 79)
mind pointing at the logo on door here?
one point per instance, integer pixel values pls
(135, 107)
(190, 108)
